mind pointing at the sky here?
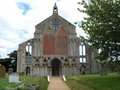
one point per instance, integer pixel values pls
(19, 17)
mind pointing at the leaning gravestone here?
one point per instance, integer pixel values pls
(14, 77)
(2, 71)
(29, 86)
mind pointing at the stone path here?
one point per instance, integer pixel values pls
(57, 83)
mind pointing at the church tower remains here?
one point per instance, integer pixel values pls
(54, 50)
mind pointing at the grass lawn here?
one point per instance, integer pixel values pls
(42, 81)
(94, 82)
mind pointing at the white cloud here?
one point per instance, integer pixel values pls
(16, 27)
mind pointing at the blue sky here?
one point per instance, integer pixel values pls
(18, 18)
(24, 7)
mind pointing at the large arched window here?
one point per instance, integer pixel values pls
(82, 49)
(82, 53)
(28, 49)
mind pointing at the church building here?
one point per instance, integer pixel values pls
(55, 50)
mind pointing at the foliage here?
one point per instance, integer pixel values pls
(11, 61)
(5, 62)
(13, 58)
(94, 82)
(102, 24)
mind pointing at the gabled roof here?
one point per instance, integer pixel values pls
(54, 15)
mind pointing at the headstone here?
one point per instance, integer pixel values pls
(29, 86)
(103, 70)
(14, 77)
(2, 71)
(10, 71)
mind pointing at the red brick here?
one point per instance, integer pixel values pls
(61, 42)
(49, 44)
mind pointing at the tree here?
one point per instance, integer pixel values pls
(13, 59)
(5, 62)
(102, 24)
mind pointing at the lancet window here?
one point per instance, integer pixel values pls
(28, 49)
(82, 50)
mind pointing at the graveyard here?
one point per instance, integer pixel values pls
(14, 81)
(75, 82)
(40, 81)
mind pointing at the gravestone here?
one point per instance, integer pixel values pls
(2, 71)
(103, 71)
(14, 77)
(10, 71)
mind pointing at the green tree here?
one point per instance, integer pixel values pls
(5, 62)
(13, 59)
(102, 24)
(10, 62)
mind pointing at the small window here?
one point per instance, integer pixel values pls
(82, 60)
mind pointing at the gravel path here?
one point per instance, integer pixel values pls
(57, 83)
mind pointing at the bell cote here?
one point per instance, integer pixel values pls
(55, 9)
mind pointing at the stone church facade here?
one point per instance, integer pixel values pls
(55, 50)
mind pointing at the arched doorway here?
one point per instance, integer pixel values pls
(27, 70)
(55, 67)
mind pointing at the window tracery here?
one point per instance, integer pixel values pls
(28, 49)
(82, 50)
